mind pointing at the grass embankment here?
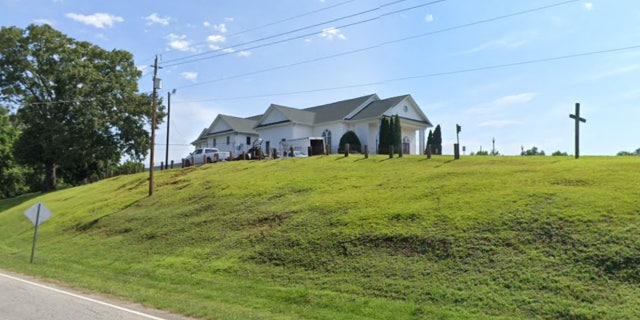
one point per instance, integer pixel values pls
(349, 238)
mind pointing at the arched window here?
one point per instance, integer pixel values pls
(327, 138)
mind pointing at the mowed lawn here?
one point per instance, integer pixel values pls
(351, 238)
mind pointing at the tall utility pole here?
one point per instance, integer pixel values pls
(156, 86)
(166, 156)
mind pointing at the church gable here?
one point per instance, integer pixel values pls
(219, 125)
(407, 109)
(272, 116)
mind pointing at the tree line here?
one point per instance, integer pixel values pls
(69, 110)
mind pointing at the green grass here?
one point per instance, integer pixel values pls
(351, 238)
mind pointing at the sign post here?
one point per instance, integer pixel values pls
(38, 214)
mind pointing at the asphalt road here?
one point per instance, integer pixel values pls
(24, 298)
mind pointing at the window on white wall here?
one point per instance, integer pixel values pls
(327, 138)
(228, 140)
(214, 143)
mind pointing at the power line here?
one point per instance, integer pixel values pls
(431, 75)
(231, 49)
(379, 45)
(267, 25)
(288, 19)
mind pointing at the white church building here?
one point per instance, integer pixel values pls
(283, 127)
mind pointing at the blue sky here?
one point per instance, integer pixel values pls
(464, 61)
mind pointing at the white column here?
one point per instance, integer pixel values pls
(422, 142)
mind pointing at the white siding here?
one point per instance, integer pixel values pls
(337, 130)
(219, 126)
(274, 116)
(399, 109)
(274, 134)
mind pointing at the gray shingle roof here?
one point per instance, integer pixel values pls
(337, 110)
(377, 108)
(293, 114)
(243, 125)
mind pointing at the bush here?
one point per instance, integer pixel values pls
(352, 139)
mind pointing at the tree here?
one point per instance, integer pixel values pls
(437, 140)
(627, 153)
(12, 178)
(429, 142)
(352, 139)
(384, 141)
(532, 152)
(77, 104)
(559, 154)
(396, 134)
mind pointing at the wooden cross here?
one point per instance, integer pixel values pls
(578, 120)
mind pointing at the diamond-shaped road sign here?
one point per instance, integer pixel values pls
(32, 213)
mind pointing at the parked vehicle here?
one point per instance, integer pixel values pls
(296, 154)
(205, 155)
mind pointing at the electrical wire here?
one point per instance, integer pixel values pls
(288, 19)
(269, 24)
(231, 49)
(381, 44)
(429, 75)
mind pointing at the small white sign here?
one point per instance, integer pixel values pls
(32, 213)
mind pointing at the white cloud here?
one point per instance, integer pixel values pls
(497, 44)
(229, 19)
(502, 102)
(588, 6)
(613, 72)
(499, 123)
(514, 99)
(429, 18)
(507, 42)
(179, 42)
(98, 20)
(43, 21)
(244, 54)
(190, 75)
(219, 48)
(220, 27)
(216, 38)
(332, 32)
(155, 19)
(143, 68)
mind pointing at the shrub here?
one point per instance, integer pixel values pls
(352, 139)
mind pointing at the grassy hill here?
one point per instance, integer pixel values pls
(348, 238)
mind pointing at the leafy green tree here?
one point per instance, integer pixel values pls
(352, 139)
(627, 153)
(532, 152)
(77, 104)
(383, 140)
(12, 180)
(482, 153)
(559, 154)
(437, 140)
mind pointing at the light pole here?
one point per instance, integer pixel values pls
(157, 84)
(166, 156)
